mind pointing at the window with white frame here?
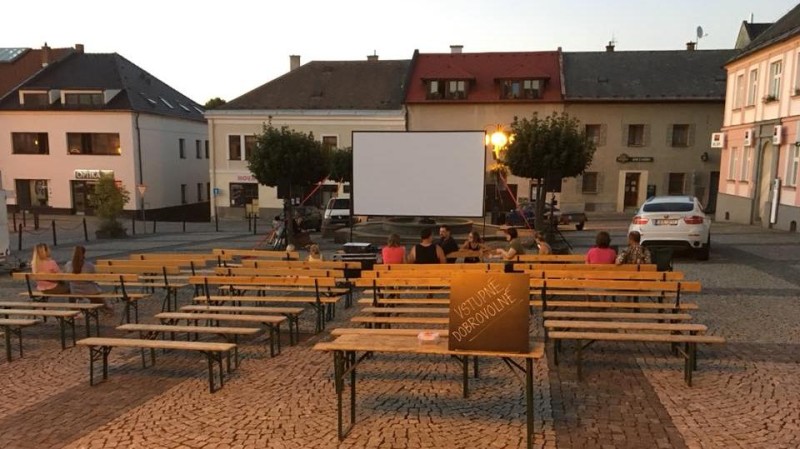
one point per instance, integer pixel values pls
(752, 87)
(747, 159)
(792, 165)
(738, 91)
(235, 144)
(775, 70)
(732, 161)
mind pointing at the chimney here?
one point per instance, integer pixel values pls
(690, 45)
(373, 56)
(45, 55)
(610, 47)
(79, 48)
(456, 49)
(294, 62)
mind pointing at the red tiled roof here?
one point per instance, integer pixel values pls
(14, 73)
(485, 70)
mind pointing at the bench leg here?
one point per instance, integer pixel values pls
(465, 374)
(578, 359)
(96, 353)
(529, 415)
(7, 336)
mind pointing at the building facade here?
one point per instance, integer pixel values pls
(329, 99)
(760, 139)
(94, 114)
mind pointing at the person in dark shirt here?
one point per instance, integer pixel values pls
(426, 251)
(447, 242)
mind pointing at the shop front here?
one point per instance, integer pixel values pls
(82, 189)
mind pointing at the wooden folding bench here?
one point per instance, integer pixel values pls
(65, 318)
(228, 255)
(343, 285)
(551, 258)
(292, 314)
(119, 282)
(12, 326)
(384, 331)
(91, 312)
(169, 278)
(230, 334)
(272, 322)
(99, 348)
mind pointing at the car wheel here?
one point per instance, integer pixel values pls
(705, 252)
(579, 226)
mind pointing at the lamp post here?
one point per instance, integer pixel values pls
(498, 140)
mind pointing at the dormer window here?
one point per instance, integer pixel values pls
(33, 99)
(446, 89)
(526, 89)
(83, 99)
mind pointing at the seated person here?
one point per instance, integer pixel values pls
(635, 253)
(426, 251)
(514, 246)
(601, 253)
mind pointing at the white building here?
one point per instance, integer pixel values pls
(90, 114)
(330, 99)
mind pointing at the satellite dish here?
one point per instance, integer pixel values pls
(700, 32)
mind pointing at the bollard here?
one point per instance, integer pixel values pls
(255, 225)
(154, 226)
(35, 221)
(14, 216)
(53, 225)
(24, 219)
(249, 223)
(85, 230)
(133, 224)
(19, 239)
(216, 222)
(184, 226)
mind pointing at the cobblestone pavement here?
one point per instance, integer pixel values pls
(746, 393)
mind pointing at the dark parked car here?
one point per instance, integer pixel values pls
(309, 217)
(528, 210)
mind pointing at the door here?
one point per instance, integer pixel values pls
(81, 193)
(23, 187)
(761, 204)
(713, 188)
(631, 198)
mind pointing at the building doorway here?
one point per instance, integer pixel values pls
(765, 175)
(32, 193)
(82, 192)
(631, 189)
(713, 189)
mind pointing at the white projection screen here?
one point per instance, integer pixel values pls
(427, 174)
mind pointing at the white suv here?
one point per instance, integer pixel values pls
(674, 221)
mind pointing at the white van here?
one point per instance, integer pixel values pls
(337, 212)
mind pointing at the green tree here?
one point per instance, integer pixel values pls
(214, 103)
(108, 202)
(545, 149)
(289, 160)
(341, 165)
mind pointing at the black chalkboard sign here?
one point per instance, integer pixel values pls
(489, 312)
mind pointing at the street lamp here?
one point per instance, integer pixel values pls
(498, 139)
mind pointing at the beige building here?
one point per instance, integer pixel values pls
(760, 139)
(651, 114)
(330, 99)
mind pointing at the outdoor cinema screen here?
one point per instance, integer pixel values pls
(425, 174)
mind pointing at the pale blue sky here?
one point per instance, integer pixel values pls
(226, 48)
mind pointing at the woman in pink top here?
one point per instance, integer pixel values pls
(41, 262)
(602, 253)
(393, 252)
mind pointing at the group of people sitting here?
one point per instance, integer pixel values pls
(42, 262)
(429, 252)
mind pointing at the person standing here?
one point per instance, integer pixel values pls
(426, 251)
(635, 253)
(42, 263)
(601, 253)
(447, 242)
(393, 252)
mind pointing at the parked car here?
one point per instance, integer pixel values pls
(528, 210)
(675, 222)
(337, 212)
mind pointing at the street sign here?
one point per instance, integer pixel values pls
(217, 191)
(141, 188)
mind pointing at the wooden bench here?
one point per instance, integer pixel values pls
(291, 313)
(64, 317)
(230, 334)
(558, 314)
(371, 321)
(11, 327)
(119, 282)
(443, 333)
(294, 290)
(99, 348)
(232, 254)
(689, 351)
(659, 290)
(273, 323)
(169, 278)
(620, 275)
(526, 266)
(321, 264)
(343, 284)
(551, 258)
(91, 312)
(405, 267)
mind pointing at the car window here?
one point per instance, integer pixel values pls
(668, 207)
(341, 204)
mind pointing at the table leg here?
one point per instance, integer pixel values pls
(210, 372)
(19, 335)
(465, 373)
(7, 335)
(61, 329)
(529, 400)
(352, 355)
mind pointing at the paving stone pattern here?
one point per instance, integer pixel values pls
(746, 394)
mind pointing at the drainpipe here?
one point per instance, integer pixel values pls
(139, 154)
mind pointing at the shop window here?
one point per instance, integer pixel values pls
(242, 194)
(589, 182)
(30, 143)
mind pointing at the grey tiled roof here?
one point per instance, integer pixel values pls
(109, 71)
(679, 75)
(784, 28)
(364, 85)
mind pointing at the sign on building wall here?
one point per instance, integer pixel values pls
(85, 174)
(489, 312)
